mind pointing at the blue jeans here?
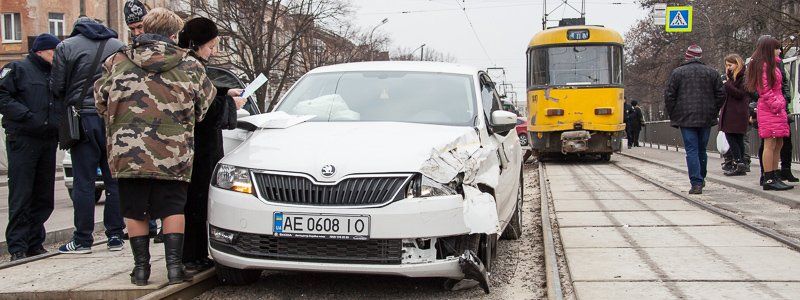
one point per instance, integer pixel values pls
(87, 156)
(695, 140)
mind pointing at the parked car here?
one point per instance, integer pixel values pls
(522, 131)
(222, 79)
(399, 168)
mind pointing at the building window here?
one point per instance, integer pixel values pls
(12, 27)
(56, 21)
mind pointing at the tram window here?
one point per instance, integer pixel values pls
(576, 65)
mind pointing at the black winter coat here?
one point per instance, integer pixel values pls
(26, 103)
(73, 58)
(735, 112)
(694, 95)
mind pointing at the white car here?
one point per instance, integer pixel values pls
(400, 168)
(221, 79)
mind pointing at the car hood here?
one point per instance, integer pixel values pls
(351, 147)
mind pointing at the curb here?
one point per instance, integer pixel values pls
(793, 203)
(552, 274)
(200, 283)
(55, 237)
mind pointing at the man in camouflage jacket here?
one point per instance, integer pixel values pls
(151, 97)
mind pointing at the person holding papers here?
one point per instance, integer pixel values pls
(199, 36)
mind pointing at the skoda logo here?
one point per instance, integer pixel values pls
(328, 170)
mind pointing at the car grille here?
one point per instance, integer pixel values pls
(349, 192)
(378, 251)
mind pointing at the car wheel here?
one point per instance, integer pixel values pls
(513, 230)
(98, 193)
(234, 276)
(523, 139)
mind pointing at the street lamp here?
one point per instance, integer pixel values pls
(422, 52)
(369, 39)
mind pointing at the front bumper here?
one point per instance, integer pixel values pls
(402, 219)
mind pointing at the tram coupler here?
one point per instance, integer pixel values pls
(575, 141)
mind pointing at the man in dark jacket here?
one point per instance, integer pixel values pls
(71, 69)
(636, 122)
(693, 98)
(30, 119)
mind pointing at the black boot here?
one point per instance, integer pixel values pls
(140, 246)
(772, 182)
(738, 170)
(786, 174)
(173, 254)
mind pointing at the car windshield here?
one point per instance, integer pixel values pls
(576, 65)
(413, 97)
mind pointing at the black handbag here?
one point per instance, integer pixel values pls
(70, 128)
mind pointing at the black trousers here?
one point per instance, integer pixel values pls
(633, 136)
(736, 142)
(31, 185)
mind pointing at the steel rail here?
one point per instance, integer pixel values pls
(552, 274)
(783, 239)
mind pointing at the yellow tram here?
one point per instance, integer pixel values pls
(575, 91)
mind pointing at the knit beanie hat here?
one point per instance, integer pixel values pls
(694, 51)
(134, 11)
(197, 32)
(44, 41)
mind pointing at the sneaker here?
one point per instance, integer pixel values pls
(115, 243)
(73, 248)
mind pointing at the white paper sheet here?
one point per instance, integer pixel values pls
(253, 86)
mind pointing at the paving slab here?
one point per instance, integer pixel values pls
(639, 218)
(598, 185)
(728, 263)
(621, 205)
(101, 274)
(652, 237)
(691, 290)
(614, 195)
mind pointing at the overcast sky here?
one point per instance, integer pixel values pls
(503, 26)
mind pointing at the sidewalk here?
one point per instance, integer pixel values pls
(677, 160)
(59, 226)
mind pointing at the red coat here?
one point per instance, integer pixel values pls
(771, 107)
(735, 112)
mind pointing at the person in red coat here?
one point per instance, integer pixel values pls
(764, 76)
(734, 114)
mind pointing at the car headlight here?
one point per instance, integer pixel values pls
(424, 186)
(233, 178)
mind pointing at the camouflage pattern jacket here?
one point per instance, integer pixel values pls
(151, 96)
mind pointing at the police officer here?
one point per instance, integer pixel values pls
(30, 121)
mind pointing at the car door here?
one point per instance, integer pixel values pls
(225, 79)
(509, 153)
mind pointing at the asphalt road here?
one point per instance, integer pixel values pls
(519, 273)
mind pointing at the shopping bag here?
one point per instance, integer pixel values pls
(722, 143)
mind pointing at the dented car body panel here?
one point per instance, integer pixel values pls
(427, 181)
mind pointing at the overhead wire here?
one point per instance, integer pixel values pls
(534, 3)
(475, 32)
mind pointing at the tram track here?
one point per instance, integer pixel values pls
(558, 274)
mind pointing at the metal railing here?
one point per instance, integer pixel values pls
(659, 134)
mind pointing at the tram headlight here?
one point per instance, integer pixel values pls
(233, 178)
(602, 111)
(552, 112)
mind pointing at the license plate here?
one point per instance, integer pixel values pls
(341, 227)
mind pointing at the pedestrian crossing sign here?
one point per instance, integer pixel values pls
(679, 19)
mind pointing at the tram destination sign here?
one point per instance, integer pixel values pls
(578, 34)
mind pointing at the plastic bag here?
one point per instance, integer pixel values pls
(722, 143)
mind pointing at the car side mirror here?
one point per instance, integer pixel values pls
(241, 113)
(503, 121)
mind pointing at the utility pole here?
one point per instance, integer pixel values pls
(422, 52)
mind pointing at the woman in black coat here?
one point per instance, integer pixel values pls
(200, 35)
(734, 114)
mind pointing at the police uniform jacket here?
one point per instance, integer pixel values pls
(25, 100)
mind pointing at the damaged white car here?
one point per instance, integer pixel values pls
(400, 168)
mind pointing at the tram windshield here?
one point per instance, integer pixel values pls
(575, 65)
